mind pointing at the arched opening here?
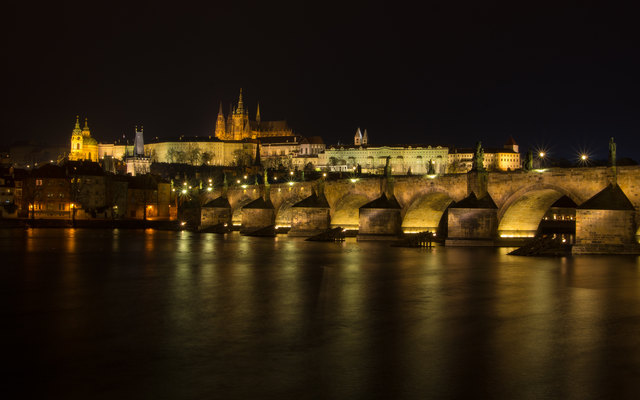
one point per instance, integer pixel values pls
(522, 215)
(427, 213)
(346, 213)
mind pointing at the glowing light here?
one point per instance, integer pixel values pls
(542, 154)
(238, 181)
(584, 157)
(244, 186)
(291, 173)
(182, 223)
(354, 180)
(291, 183)
(245, 177)
(173, 189)
(209, 189)
(185, 183)
(184, 191)
(324, 175)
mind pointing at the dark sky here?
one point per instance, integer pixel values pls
(562, 75)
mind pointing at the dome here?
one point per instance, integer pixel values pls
(89, 141)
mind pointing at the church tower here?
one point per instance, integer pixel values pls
(240, 121)
(221, 131)
(357, 139)
(76, 142)
(365, 138)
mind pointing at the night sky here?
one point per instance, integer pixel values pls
(563, 77)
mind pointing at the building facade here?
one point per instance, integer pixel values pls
(83, 146)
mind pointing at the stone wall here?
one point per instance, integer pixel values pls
(307, 221)
(472, 223)
(605, 227)
(256, 218)
(380, 221)
(210, 216)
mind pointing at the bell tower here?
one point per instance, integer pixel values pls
(76, 152)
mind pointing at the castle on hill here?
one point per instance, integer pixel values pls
(238, 126)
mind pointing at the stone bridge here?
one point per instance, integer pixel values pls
(522, 197)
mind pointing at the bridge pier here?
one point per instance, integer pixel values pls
(258, 215)
(310, 216)
(605, 224)
(216, 214)
(380, 219)
(472, 222)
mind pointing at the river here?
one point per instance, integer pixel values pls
(105, 314)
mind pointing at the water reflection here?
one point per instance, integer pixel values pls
(207, 315)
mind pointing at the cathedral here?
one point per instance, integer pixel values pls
(238, 126)
(83, 146)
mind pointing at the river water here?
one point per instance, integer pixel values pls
(155, 314)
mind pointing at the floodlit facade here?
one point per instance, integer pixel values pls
(238, 126)
(83, 146)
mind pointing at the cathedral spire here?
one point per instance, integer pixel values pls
(77, 122)
(240, 109)
(220, 109)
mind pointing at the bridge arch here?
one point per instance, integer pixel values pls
(346, 211)
(426, 211)
(521, 214)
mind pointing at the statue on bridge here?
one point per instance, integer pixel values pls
(478, 158)
(612, 153)
(528, 162)
(387, 167)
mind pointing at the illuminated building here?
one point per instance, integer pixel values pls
(137, 163)
(506, 158)
(238, 126)
(403, 159)
(83, 146)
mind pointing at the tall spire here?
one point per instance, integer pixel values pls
(220, 109)
(77, 122)
(240, 109)
(258, 114)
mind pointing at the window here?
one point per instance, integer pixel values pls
(38, 182)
